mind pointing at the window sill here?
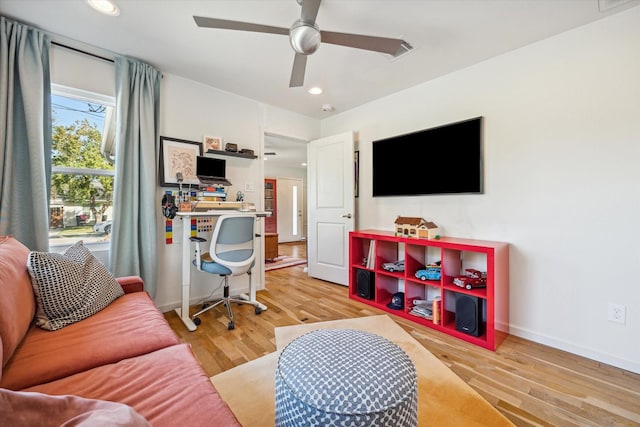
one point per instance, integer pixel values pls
(92, 246)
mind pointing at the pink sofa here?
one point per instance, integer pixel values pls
(125, 353)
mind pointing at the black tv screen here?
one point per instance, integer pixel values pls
(440, 160)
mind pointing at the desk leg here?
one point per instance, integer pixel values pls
(252, 295)
(183, 311)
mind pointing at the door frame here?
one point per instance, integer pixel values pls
(265, 134)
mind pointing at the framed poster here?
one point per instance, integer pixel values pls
(178, 155)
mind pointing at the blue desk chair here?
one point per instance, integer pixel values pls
(231, 253)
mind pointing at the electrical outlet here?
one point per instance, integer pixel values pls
(617, 313)
(248, 186)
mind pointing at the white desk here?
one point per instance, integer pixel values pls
(183, 311)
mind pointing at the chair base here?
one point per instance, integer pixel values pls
(227, 300)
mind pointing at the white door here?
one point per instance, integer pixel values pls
(330, 177)
(290, 209)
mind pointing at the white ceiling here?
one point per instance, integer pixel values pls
(447, 35)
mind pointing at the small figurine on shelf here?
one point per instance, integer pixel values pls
(394, 266)
(416, 228)
(429, 272)
(471, 279)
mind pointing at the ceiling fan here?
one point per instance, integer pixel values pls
(305, 37)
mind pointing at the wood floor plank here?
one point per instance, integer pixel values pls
(531, 384)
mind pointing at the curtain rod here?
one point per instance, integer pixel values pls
(82, 51)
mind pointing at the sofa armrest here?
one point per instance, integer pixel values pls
(131, 284)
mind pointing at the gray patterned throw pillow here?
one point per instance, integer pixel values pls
(70, 287)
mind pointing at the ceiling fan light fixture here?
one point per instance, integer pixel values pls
(105, 7)
(304, 38)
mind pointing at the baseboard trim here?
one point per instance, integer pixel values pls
(576, 349)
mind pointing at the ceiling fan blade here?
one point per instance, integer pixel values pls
(309, 11)
(224, 24)
(376, 44)
(297, 73)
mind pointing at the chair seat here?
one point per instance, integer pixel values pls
(210, 266)
(213, 267)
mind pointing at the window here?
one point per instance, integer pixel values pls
(82, 158)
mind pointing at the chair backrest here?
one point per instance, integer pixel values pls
(232, 242)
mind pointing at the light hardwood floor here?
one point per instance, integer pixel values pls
(532, 384)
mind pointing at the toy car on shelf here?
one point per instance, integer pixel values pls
(429, 272)
(471, 279)
(394, 266)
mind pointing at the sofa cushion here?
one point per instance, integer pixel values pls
(70, 287)
(128, 327)
(17, 305)
(168, 387)
(26, 409)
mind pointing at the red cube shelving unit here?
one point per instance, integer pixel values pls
(455, 256)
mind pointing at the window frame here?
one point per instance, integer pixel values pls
(94, 98)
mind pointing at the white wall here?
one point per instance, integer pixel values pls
(562, 149)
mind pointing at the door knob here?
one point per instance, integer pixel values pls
(347, 216)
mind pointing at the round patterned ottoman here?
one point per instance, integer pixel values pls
(345, 377)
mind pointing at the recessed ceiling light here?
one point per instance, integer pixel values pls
(315, 90)
(105, 6)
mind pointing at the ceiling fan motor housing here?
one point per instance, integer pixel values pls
(305, 38)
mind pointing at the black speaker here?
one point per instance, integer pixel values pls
(365, 283)
(469, 315)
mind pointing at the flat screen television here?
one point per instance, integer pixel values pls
(441, 160)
